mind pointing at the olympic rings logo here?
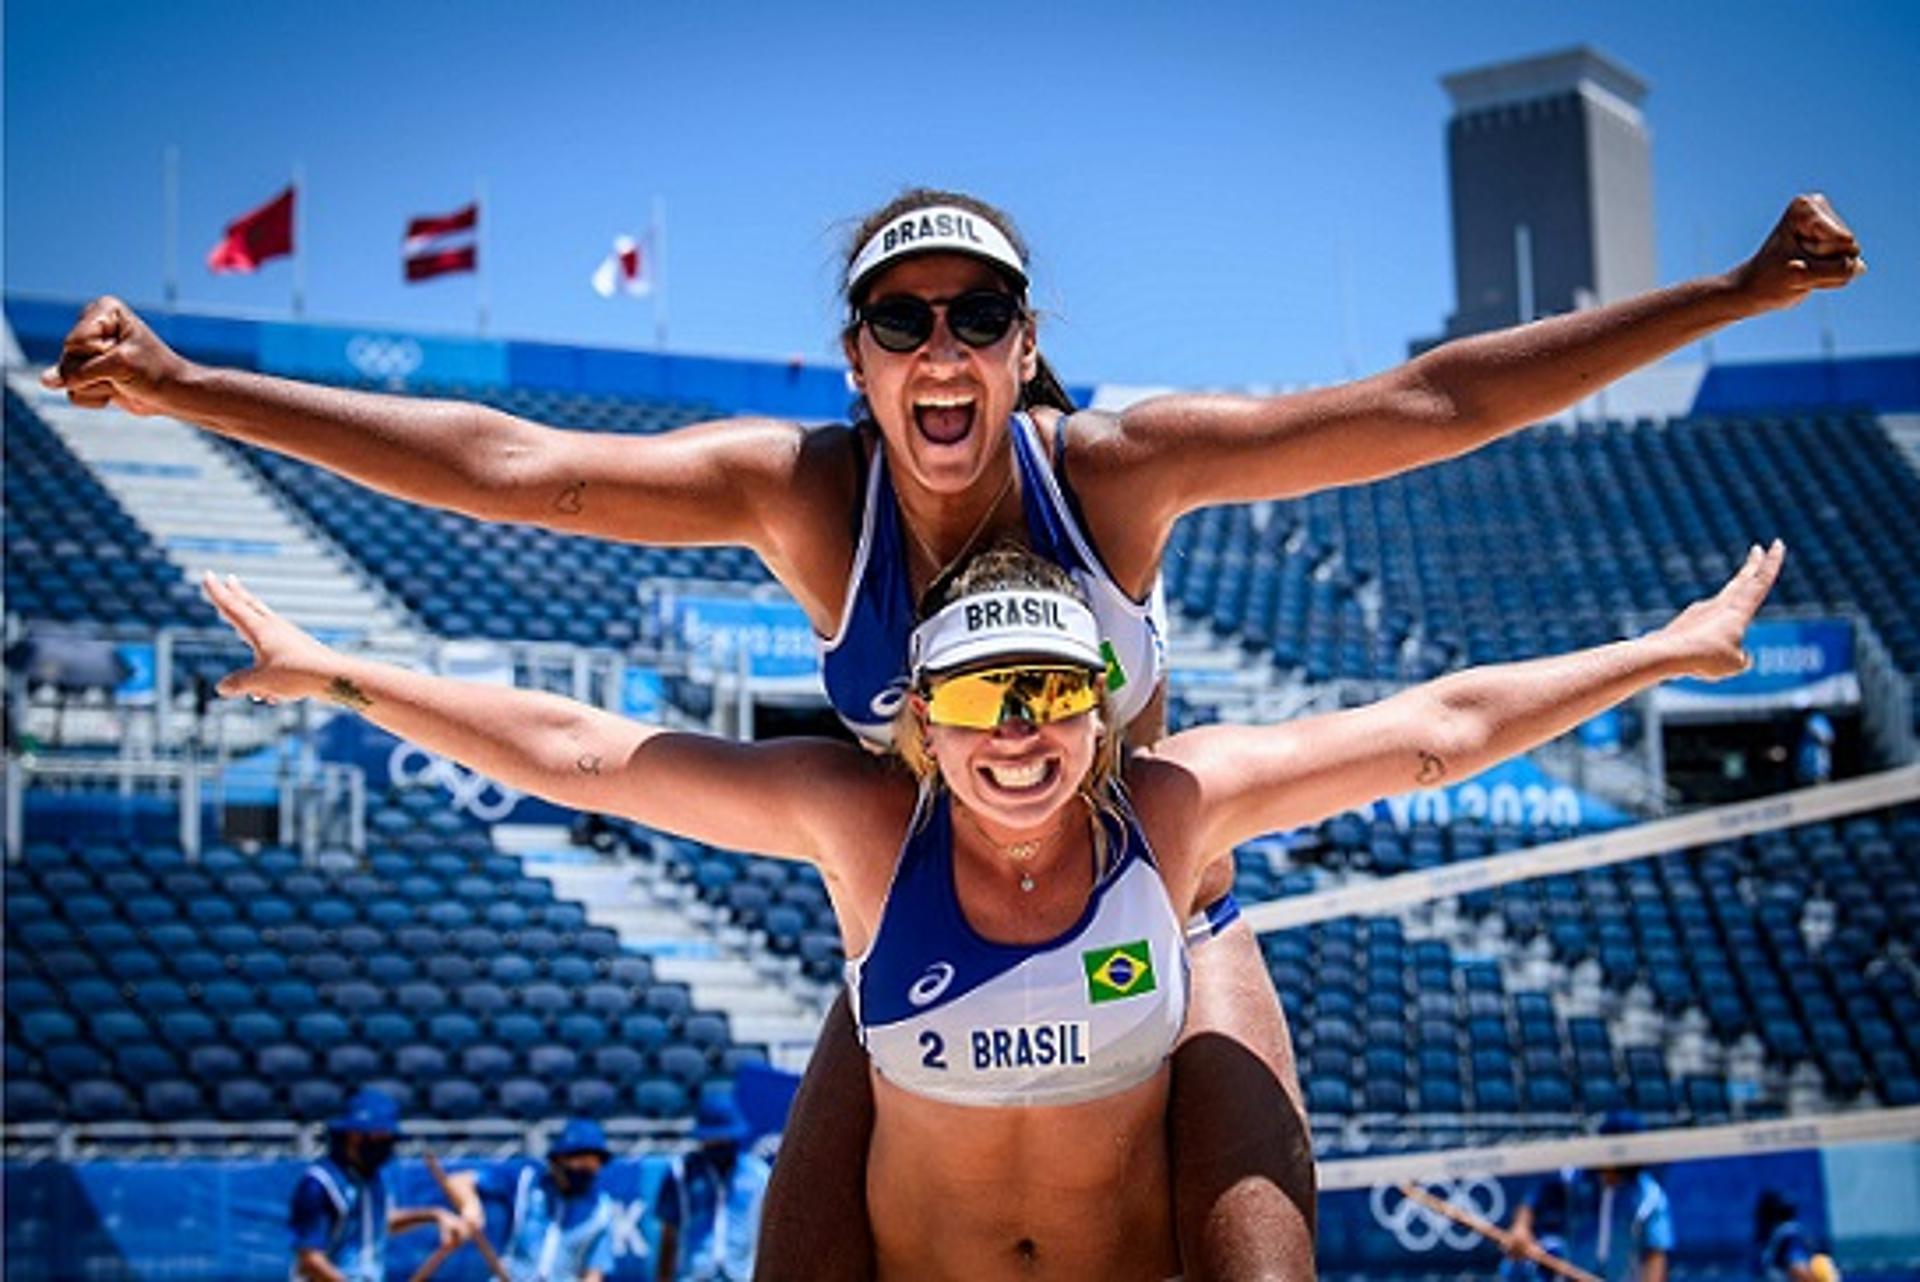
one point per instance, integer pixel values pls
(385, 359)
(474, 793)
(1420, 1230)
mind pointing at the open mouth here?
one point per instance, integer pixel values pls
(944, 420)
(1031, 777)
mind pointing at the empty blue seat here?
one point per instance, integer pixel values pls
(113, 1028)
(682, 1063)
(100, 1100)
(552, 1063)
(621, 1065)
(591, 1097)
(522, 1097)
(145, 1062)
(420, 997)
(486, 1062)
(420, 1062)
(517, 1029)
(581, 1030)
(72, 1061)
(453, 1030)
(320, 1030)
(455, 1098)
(246, 1099)
(353, 1063)
(386, 1029)
(315, 1099)
(661, 1098)
(31, 1101)
(215, 1062)
(171, 1100)
(254, 1029)
(185, 1029)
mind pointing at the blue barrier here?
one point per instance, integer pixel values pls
(1884, 384)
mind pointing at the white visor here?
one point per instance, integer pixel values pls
(1015, 624)
(935, 229)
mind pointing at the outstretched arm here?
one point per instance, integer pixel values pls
(784, 798)
(1175, 453)
(1232, 783)
(714, 483)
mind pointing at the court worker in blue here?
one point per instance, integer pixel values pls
(1013, 900)
(342, 1213)
(1613, 1221)
(709, 1204)
(1785, 1252)
(559, 1225)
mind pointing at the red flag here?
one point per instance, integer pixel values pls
(441, 243)
(254, 237)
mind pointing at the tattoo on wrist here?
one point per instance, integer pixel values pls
(348, 695)
(572, 500)
(589, 763)
(1432, 769)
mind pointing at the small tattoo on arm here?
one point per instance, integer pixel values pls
(348, 695)
(1432, 769)
(572, 500)
(589, 763)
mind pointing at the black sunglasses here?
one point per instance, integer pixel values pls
(978, 318)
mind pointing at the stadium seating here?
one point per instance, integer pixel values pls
(72, 552)
(1545, 541)
(276, 1015)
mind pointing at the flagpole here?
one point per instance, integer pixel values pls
(170, 185)
(299, 240)
(480, 256)
(659, 239)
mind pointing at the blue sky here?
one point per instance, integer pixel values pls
(1192, 178)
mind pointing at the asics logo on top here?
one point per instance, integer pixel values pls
(929, 986)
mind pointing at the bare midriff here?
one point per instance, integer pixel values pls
(1067, 1192)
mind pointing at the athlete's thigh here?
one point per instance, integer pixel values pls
(1243, 1174)
(813, 1222)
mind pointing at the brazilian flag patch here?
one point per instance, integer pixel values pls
(1116, 676)
(1125, 970)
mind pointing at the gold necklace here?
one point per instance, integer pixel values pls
(933, 558)
(1019, 852)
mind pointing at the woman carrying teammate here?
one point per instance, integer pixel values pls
(1014, 902)
(963, 437)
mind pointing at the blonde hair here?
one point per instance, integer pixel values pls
(998, 567)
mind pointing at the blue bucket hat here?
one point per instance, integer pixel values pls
(369, 1112)
(580, 1135)
(719, 1119)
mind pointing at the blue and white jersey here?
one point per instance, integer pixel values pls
(864, 663)
(1606, 1229)
(952, 1016)
(718, 1215)
(550, 1237)
(344, 1217)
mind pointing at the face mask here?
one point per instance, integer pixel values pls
(374, 1154)
(574, 1180)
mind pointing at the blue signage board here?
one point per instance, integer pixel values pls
(775, 636)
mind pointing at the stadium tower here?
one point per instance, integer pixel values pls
(1548, 161)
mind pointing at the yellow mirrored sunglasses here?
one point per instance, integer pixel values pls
(982, 700)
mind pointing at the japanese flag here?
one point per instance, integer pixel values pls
(626, 270)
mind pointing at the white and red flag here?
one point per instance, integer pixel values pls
(627, 270)
(437, 245)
